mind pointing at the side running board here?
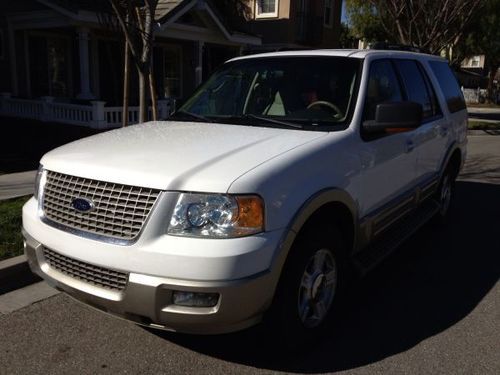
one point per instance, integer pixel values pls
(393, 237)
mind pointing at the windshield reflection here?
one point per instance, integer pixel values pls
(312, 91)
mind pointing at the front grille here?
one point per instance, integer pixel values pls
(98, 276)
(119, 210)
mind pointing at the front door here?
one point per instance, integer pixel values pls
(389, 160)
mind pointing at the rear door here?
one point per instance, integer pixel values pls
(431, 138)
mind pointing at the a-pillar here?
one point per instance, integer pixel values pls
(83, 48)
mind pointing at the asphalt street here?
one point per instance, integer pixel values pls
(432, 308)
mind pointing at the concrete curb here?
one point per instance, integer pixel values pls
(483, 132)
(15, 185)
(15, 273)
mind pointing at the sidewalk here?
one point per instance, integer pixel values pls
(17, 184)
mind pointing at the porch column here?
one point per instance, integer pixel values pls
(83, 44)
(199, 68)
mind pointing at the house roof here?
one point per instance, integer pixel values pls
(166, 7)
(166, 13)
(74, 6)
(163, 8)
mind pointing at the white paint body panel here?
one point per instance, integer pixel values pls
(170, 155)
(284, 166)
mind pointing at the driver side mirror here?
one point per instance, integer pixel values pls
(394, 117)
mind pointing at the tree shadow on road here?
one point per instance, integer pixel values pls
(434, 281)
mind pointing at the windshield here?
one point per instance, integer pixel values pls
(306, 92)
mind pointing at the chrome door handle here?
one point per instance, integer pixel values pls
(410, 146)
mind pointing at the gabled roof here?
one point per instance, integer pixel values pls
(167, 13)
(166, 7)
(74, 6)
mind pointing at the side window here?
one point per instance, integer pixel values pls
(449, 85)
(416, 89)
(430, 89)
(383, 86)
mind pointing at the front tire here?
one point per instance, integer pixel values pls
(309, 290)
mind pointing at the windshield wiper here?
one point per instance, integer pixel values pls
(273, 121)
(193, 115)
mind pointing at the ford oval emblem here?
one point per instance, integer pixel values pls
(82, 204)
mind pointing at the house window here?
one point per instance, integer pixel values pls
(172, 78)
(328, 21)
(475, 61)
(49, 63)
(266, 8)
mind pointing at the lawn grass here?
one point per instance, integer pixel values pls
(484, 105)
(483, 125)
(11, 240)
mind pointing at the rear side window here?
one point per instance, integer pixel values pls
(449, 85)
(416, 88)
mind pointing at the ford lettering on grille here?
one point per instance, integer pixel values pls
(82, 204)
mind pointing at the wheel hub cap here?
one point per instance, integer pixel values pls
(317, 285)
(445, 195)
(317, 288)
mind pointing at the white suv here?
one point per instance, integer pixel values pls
(283, 174)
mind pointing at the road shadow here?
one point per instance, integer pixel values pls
(434, 281)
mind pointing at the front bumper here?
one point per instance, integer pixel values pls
(147, 300)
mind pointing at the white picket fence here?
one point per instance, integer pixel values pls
(96, 115)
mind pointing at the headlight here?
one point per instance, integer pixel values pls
(38, 180)
(217, 215)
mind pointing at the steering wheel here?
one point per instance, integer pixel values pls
(324, 103)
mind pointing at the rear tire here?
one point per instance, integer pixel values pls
(309, 290)
(445, 197)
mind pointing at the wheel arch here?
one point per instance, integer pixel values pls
(453, 159)
(337, 204)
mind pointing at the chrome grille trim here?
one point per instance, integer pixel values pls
(86, 272)
(120, 210)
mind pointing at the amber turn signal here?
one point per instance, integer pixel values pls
(251, 212)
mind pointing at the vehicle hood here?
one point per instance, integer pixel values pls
(170, 155)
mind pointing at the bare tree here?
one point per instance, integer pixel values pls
(433, 25)
(136, 20)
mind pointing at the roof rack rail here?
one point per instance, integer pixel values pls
(397, 47)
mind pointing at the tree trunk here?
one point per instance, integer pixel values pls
(143, 109)
(154, 103)
(491, 78)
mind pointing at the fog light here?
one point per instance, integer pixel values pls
(195, 299)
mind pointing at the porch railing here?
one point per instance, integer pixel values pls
(96, 115)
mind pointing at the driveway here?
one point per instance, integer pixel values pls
(432, 307)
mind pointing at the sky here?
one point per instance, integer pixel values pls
(344, 16)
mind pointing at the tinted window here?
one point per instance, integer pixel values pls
(383, 86)
(416, 89)
(313, 92)
(449, 85)
(436, 108)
